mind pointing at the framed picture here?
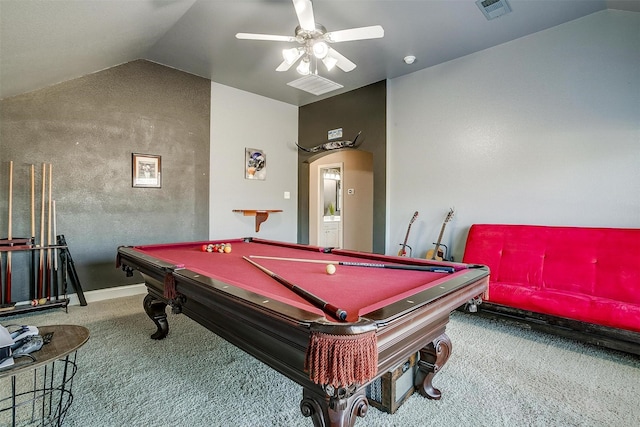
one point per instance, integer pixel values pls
(255, 164)
(146, 170)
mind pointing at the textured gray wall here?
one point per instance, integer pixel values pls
(365, 110)
(87, 129)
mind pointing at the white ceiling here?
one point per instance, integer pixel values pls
(44, 42)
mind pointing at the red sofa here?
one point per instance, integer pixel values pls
(581, 282)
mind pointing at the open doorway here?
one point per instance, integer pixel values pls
(352, 196)
(330, 204)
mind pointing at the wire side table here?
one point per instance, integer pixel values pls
(39, 393)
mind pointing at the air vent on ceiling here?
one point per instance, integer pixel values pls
(493, 8)
(315, 84)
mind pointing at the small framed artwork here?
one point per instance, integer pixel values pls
(255, 164)
(146, 170)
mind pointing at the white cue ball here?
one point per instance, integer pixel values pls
(331, 269)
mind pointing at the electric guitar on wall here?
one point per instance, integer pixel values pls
(402, 251)
(437, 253)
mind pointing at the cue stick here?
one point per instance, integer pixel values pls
(41, 268)
(33, 202)
(1, 280)
(55, 254)
(7, 283)
(331, 309)
(49, 238)
(431, 268)
(32, 278)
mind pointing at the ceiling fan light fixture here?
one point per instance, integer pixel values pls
(314, 42)
(304, 67)
(291, 55)
(320, 49)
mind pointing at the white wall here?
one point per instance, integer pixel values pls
(541, 130)
(239, 120)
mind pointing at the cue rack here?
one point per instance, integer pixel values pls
(49, 265)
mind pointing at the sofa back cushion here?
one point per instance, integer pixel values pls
(600, 262)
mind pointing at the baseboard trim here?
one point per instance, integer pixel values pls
(109, 293)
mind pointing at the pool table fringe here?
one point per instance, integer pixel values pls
(342, 360)
(170, 292)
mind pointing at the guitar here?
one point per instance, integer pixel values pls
(437, 253)
(402, 251)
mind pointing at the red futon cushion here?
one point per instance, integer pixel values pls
(587, 274)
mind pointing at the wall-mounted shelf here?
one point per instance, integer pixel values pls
(261, 215)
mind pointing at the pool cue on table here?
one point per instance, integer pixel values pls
(430, 268)
(331, 309)
(48, 291)
(41, 267)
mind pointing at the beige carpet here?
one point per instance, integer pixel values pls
(499, 374)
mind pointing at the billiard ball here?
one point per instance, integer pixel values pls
(331, 269)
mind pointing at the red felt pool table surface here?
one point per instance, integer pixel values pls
(357, 290)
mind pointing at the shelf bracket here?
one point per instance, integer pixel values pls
(261, 215)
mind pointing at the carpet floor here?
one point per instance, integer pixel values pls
(499, 374)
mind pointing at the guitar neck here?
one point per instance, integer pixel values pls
(406, 237)
(440, 236)
(444, 224)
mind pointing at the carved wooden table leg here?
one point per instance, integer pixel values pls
(155, 309)
(340, 410)
(432, 358)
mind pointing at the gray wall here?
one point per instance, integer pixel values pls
(363, 110)
(541, 130)
(242, 120)
(87, 129)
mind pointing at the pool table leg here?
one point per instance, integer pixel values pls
(155, 309)
(432, 358)
(340, 410)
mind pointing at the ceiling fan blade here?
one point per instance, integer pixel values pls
(284, 66)
(304, 10)
(266, 37)
(373, 32)
(343, 63)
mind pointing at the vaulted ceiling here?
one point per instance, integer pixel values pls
(44, 42)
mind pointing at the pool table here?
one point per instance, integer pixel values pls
(388, 309)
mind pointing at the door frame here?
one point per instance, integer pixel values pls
(320, 200)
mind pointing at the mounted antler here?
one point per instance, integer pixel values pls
(332, 145)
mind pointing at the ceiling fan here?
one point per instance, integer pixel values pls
(314, 41)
